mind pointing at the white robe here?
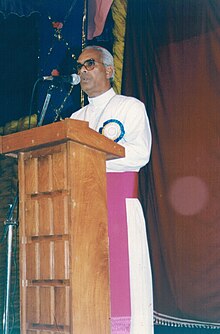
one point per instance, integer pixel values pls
(131, 114)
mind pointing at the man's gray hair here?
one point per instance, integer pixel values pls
(107, 57)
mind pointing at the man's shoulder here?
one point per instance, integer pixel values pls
(129, 101)
(128, 98)
(78, 112)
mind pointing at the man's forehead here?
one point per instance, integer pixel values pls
(90, 53)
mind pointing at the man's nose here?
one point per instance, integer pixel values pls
(82, 69)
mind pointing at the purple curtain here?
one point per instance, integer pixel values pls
(172, 63)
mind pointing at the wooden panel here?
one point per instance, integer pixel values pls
(0, 144)
(77, 131)
(46, 305)
(32, 264)
(60, 214)
(60, 259)
(45, 310)
(64, 241)
(31, 217)
(33, 304)
(59, 170)
(45, 215)
(89, 241)
(62, 313)
(46, 259)
(22, 241)
(44, 173)
(31, 176)
(45, 223)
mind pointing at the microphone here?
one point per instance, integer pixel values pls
(72, 79)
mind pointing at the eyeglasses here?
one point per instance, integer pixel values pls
(89, 64)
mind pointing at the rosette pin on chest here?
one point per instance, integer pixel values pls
(113, 129)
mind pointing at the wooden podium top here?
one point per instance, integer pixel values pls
(55, 133)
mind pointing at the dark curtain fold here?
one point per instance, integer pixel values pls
(172, 63)
(30, 48)
(19, 50)
(54, 8)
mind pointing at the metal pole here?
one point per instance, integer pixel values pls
(8, 281)
(44, 109)
(9, 224)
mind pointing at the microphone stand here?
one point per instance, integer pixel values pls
(59, 110)
(9, 223)
(45, 105)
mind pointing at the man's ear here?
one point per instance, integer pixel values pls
(109, 72)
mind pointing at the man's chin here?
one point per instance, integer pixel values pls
(85, 86)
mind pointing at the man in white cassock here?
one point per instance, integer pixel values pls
(124, 120)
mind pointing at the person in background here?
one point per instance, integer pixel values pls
(124, 120)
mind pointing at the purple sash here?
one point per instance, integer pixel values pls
(119, 187)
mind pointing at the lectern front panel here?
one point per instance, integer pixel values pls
(63, 241)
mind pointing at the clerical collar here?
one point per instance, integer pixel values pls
(102, 99)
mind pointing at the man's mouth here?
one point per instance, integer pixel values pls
(84, 79)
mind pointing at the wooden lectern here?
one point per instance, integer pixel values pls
(64, 261)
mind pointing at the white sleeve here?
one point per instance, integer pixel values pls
(137, 140)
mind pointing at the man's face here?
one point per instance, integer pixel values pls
(94, 81)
